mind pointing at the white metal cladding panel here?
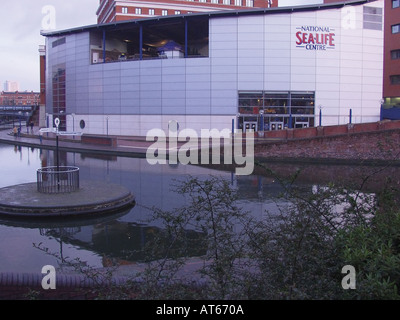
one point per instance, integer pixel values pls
(223, 62)
(198, 86)
(251, 52)
(277, 53)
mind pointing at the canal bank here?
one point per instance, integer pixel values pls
(376, 143)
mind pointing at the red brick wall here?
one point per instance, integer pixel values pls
(369, 141)
(391, 42)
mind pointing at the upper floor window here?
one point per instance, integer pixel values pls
(395, 79)
(177, 12)
(164, 12)
(151, 12)
(396, 28)
(395, 4)
(214, 1)
(138, 11)
(238, 2)
(395, 54)
(227, 2)
(124, 10)
(249, 3)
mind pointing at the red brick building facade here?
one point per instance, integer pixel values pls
(112, 11)
(17, 98)
(391, 77)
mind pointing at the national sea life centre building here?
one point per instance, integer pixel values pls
(256, 69)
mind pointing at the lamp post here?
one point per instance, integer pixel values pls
(320, 115)
(57, 123)
(73, 124)
(107, 118)
(262, 120)
(19, 116)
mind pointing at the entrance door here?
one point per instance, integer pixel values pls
(301, 124)
(276, 125)
(250, 126)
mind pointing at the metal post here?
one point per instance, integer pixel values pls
(350, 116)
(233, 127)
(141, 42)
(320, 117)
(104, 46)
(58, 163)
(107, 124)
(186, 38)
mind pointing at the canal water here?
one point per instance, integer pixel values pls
(117, 238)
(121, 238)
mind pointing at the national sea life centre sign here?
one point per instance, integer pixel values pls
(315, 37)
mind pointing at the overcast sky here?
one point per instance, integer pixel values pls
(21, 22)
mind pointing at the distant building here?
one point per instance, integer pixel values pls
(113, 11)
(17, 98)
(391, 78)
(11, 86)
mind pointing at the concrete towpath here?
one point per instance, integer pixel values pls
(127, 146)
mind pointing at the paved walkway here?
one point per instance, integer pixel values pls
(127, 146)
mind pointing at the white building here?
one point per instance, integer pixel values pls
(264, 69)
(11, 86)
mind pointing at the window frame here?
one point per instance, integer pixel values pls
(395, 4)
(395, 79)
(397, 26)
(395, 54)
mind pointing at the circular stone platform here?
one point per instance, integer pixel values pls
(92, 198)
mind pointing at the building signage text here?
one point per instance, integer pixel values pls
(315, 38)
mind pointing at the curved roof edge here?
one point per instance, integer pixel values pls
(242, 12)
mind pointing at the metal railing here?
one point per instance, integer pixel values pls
(58, 180)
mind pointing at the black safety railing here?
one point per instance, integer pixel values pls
(58, 180)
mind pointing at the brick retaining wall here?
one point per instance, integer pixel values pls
(369, 141)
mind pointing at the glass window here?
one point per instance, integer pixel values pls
(138, 11)
(151, 12)
(302, 103)
(396, 28)
(395, 79)
(226, 2)
(124, 10)
(238, 2)
(250, 102)
(249, 3)
(164, 12)
(276, 102)
(177, 12)
(395, 4)
(214, 1)
(395, 54)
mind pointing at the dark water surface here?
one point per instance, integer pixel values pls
(120, 238)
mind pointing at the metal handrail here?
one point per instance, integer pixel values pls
(58, 180)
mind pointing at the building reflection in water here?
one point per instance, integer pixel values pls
(122, 239)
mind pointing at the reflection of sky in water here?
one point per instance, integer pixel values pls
(151, 185)
(18, 165)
